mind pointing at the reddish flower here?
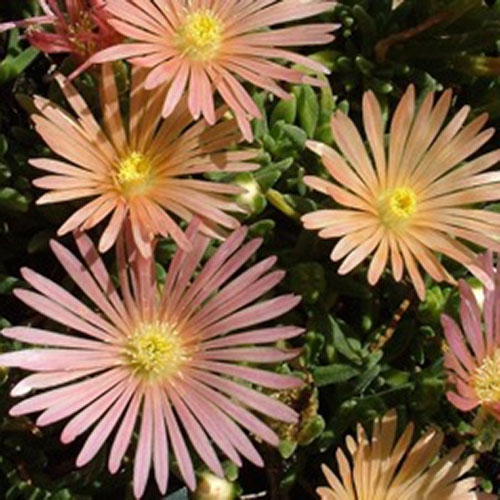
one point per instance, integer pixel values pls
(473, 355)
(168, 356)
(81, 29)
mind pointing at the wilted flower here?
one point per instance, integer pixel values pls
(167, 356)
(473, 354)
(139, 167)
(412, 199)
(382, 468)
(213, 45)
(81, 29)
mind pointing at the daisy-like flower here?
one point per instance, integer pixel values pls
(383, 468)
(140, 167)
(82, 29)
(210, 45)
(412, 199)
(472, 357)
(164, 361)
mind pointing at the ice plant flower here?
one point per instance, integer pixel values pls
(214, 45)
(472, 357)
(140, 167)
(383, 468)
(415, 198)
(164, 361)
(81, 29)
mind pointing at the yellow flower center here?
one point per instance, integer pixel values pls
(200, 36)
(132, 173)
(397, 207)
(155, 350)
(403, 203)
(486, 380)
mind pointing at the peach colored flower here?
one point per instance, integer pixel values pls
(81, 29)
(382, 468)
(472, 358)
(141, 167)
(162, 360)
(405, 202)
(213, 45)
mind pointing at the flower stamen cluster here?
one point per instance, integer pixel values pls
(154, 350)
(397, 207)
(200, 36)
(133, 172)
(486, 379)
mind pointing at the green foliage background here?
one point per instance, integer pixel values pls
(350, 376)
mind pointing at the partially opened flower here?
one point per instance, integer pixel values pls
(164, 361)
(214, 45)
(472, 358)
(412, 199)
(383, 468)
(140, 167)
(81, 29)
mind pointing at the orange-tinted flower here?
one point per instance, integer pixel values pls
(166, 362)
(141, 167)
(382, 468)
(473, 355)
(405, 202)
(81, 29)
(210, 45)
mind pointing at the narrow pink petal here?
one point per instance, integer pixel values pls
(160, 445)
(229, 428)
(37, 336)
(251, 354)
(45, 380)
(212, 420)
(92, 413)
(470, 316)
(251, 398)
(143, 453)
(239, 414)
(178, 445)
(196, 434)
(454, 337)
(262, 336)
(105, 426)
(463, 404)
(58, 359)
(55, 396)
(80, 398)
(253, 315)
(225, 304)
(124, 434)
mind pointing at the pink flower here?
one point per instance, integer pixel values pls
(81, 30)
(140, 167)
(164, 360)
(404, 200)
(472, 357)
(213, 45)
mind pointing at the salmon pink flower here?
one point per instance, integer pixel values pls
(164, 361)
(415, 198)
(382, 468)
(141, 167)
(81, 29)
(213, 45)
(472, 356)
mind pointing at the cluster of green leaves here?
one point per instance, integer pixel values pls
(365, 349)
